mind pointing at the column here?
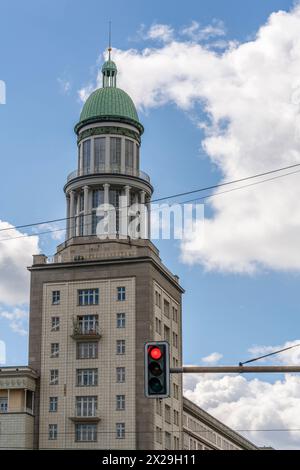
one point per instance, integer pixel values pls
(72, 213)
(106, 193)
(149, 218)
(124, 217)
(68, 217)
(143, 215)
(86, 219)
(106, 201)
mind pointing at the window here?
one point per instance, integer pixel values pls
(99, 149)
(176, 391)
(176, 442)
(175, 314)
(167, 440)
(87, 377)
(55, 297)
(54, 349)
(121, 291)
(158, 326)
(88, 297)
(55, 324)
(3, 404)
(29, 401)
(86, 432)
(120, 430)
(86, 154)
(120, 346)
(175, 340)
(52, 432)
(157, 299)
(167, 308)
(80, 225)
(128, 155)
(168, 414)
(167, 333)
(86, 406)
(120, 374)
(120, 402)
(159, 407)
(80, 201)
(121, 320)
(115, 153)
(158, 434)
(53, 404)
(54, 377)
(98, 198)
(176, 418)
(87, 350)
(87, 324)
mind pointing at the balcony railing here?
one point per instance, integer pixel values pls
(82, 332)
(116, 170)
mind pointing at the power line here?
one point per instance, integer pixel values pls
(172, 196)
(269, 354)
(209, 196)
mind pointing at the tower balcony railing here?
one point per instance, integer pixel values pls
(82, 332)
(113, 169)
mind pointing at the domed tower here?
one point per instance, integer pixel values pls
(97, 301)
(109, 138)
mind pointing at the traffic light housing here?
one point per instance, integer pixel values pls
(157, 369)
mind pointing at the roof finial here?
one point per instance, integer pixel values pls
(109, 39)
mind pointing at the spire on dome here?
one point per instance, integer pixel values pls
(109, 68)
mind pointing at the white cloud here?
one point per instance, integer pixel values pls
(289, 357)
(251, 123)
(2, 352)
(15, 256)
(17, 318)
(253, 405)
(198, 33)
(212, 358)
(162, 32)
(55, 230)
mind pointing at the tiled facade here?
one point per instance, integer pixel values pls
(105, 363)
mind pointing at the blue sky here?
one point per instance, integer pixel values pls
(45, 45)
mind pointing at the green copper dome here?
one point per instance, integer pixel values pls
(109, 103)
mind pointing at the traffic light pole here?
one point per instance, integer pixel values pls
(233, 369)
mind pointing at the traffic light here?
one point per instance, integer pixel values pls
(157, 369)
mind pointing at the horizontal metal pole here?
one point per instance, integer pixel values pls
(232, 369)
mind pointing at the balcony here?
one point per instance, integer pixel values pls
(114, 170)
(83, 333)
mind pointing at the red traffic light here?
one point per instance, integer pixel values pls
(155, 353)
